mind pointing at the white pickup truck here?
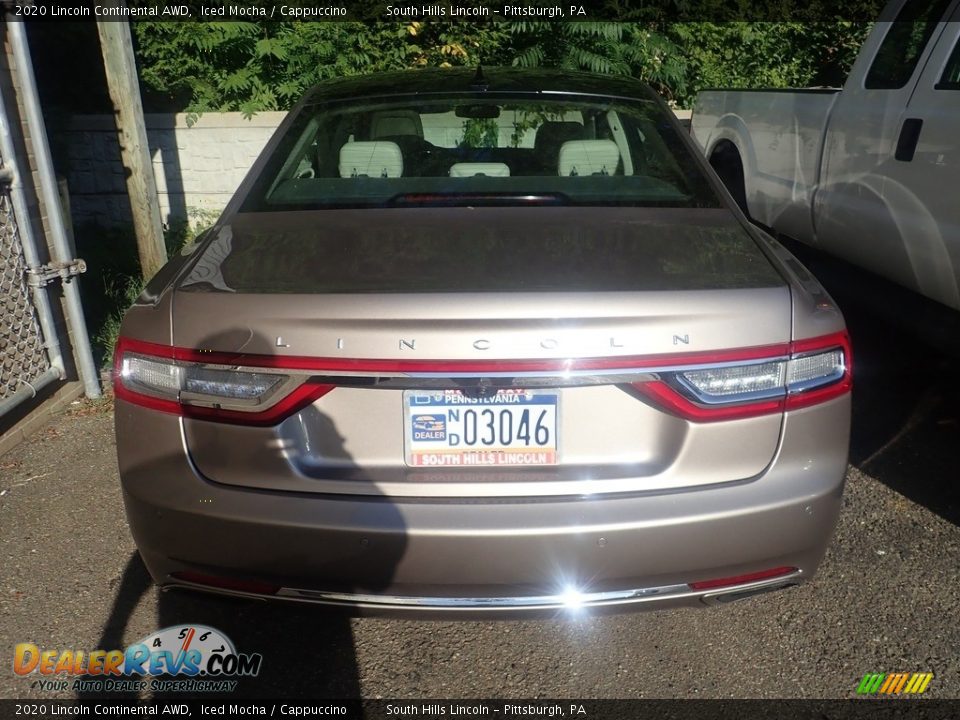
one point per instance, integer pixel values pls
(870, 173)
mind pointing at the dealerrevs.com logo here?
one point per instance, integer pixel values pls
(894, 683)
(200, 658)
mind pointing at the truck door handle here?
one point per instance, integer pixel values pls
(909, 136)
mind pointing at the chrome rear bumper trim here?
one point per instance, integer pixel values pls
(569, 600)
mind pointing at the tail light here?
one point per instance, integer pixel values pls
(701, 386)
(209, 387)
(742, 579)
(225, 583)
(812, 371)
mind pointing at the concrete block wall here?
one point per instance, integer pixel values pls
(197, 167)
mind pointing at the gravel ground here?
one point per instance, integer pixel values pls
(886, 599)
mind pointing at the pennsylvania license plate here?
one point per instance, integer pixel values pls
(510, 428)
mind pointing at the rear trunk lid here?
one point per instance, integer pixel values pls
(416, 305)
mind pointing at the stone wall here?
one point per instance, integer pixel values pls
(197, 167)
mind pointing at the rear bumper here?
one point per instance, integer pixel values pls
(570, 602)
(489, 557)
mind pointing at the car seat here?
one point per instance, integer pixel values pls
(377, 158)
(588, 157)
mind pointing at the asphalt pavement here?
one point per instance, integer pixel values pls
(886, 599)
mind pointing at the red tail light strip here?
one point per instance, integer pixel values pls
(657, 392)
(742, 579)
(215, 581)
(330, 365)
(842, 386)
(297, 400)
(669, 399)
(673, 401)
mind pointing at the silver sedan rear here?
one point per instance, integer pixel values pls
(483, 344)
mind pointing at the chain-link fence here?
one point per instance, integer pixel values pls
(22, 355)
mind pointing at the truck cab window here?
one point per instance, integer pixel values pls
(904, 43)
(951, 74)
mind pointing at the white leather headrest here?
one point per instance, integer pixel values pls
(378, 158)
(588, 157)
(395, 122)
(480, 168)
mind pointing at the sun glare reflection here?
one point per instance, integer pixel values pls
(572, 598)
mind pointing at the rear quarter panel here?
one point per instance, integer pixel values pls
(779, 136)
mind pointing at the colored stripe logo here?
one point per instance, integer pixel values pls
(894, 683)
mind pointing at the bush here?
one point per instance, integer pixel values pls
(111, 256)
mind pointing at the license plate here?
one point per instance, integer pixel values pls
(510, 428)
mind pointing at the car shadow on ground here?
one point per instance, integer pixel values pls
(906, 394)
(307, 652)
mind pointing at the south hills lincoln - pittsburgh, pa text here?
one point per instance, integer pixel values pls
(506, 11)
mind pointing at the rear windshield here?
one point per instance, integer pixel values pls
(481, 150)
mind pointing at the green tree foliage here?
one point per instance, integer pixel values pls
(250, 66)
(254, 66)
(480, 133)
(614, 48)
(764, 54)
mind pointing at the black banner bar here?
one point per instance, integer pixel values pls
(442, 10)
(518, 709)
